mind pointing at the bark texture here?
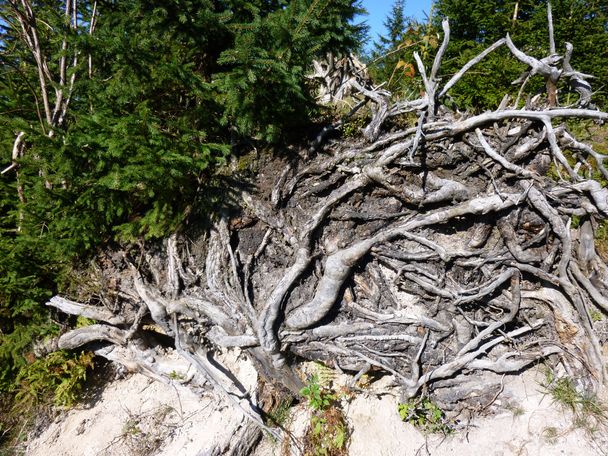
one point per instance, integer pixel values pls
(433, 253)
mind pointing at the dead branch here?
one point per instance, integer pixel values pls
(426, 266)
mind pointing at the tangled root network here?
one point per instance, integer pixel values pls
(445, 255)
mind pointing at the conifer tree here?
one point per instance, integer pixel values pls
(396, 25)
(476, 24)
(120, 113)
(392, 61)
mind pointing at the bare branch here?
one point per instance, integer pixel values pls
(83, 310)
(550, 26)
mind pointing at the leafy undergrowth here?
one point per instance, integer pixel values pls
(327, 433)
(58, 377)
(41, 386)
(425, 415)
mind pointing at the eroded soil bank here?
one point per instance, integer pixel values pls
(138, 416)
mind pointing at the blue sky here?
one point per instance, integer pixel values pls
(378, 10)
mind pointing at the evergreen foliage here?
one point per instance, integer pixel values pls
(392, 60)
(162, 92)
(396, 25)
(475, 25)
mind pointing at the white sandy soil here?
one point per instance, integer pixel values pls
(137, 416)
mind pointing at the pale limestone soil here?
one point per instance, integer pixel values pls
(137, 416)
(523, 421)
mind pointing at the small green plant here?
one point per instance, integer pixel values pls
(352, 128)
(327, 432)
(326, 375)
(596, 315)
(319, 398)
(279, 414)
(174, 375)
(425, 415)
(563, 392)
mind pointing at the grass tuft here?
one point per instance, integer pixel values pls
(589, 413)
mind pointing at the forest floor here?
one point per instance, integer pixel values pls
(134, 416)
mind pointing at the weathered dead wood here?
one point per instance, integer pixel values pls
(93, 312)
(370, 253)
(81, 336)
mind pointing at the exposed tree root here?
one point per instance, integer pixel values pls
(429, 253)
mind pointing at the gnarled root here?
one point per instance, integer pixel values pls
(430, 254)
